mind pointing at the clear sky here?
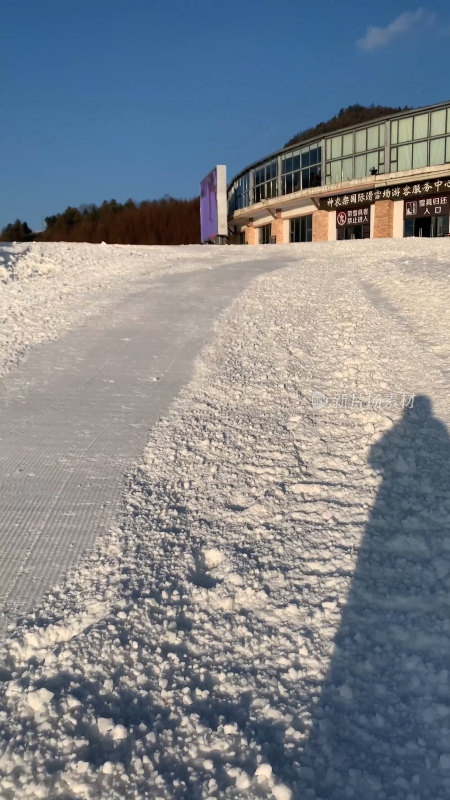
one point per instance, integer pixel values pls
(111, 99)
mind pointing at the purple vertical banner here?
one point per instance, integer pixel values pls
(208, 207)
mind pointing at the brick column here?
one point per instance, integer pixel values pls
(320, 226)
(250, 232)
(383, 226)
(278, 227)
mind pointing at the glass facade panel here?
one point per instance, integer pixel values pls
(240, 193)
(394, 132)
(301, 169)
(437, 151)
(420, 154)
(447, 158)
(360, 141)
(437, 126)
(347, 169)
(360, 166)
(372, 138)
(382, 135)
(404, 157)
(448, 120)
(347, 144)
(421, 126)
(300, 229)
(265, 232)
(265, 182)
(405, 128)
(373, 161)
(408, 228)
(336, 171)
(315, 175)
(328, 148)
(336, 147)
(287, 184)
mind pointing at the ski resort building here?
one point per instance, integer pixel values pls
(386, 178)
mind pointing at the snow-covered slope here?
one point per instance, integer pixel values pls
(49, 288)
(269, 617)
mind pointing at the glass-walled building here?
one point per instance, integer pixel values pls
(389, 177)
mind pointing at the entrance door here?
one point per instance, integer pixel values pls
(427, 226)
(422, 227)
(353, 232)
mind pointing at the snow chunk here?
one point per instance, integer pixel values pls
(211, 558)
(105, 725)
(119, 732)
(264, 771)
(281, 792)
(39, 699)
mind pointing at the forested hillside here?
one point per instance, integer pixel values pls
(353, 115)
(165, 221)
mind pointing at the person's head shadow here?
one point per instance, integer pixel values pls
(415, 449)
(379, 729)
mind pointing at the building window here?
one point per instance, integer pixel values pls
(437, 151)
(420, 140)
(265, 182)
(421, 126)
(240, 194)
(347, 156)
(301, 169)
(438, 122)
(405, 127)
(265, 232)
(300, 229)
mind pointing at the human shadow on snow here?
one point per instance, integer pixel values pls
(381, 728)
(383, 719)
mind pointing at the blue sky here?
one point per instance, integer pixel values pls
(111, 99)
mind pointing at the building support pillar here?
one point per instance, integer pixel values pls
(320, 226)
(278, 227)
(250, 232)
(383, 227)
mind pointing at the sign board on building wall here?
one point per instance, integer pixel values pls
(213, 204)
(401, 192)
(426, 207)
(353, 216)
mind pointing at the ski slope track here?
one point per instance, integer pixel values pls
(77, 413)
(259, 609)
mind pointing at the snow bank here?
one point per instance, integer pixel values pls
(270, 617)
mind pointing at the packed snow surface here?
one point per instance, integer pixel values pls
(268, 617)
(75, 413)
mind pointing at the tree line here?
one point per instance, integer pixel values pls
(165, 221)
(15, 231)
